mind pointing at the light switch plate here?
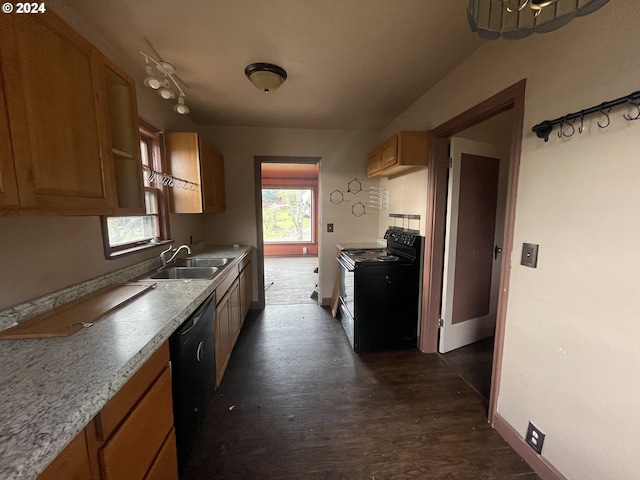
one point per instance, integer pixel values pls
(529, 255)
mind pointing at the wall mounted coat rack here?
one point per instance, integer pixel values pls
(566, 123)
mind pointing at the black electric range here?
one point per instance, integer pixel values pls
(380, 293)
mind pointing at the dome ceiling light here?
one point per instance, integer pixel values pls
(513, 19)
(265, 76)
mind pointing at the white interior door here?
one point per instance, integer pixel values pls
(474, 231)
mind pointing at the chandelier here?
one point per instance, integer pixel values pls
(513, 19)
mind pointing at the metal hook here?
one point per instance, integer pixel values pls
(580, 128)
(560, 127)
(606, 114)
(524, 4)
(573, 129)
(637, 105)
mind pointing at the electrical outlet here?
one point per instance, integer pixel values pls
(535, 438)
(329, 227)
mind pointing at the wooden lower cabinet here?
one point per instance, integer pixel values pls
(227, 328)
(246, 290)
(131, 451)
(165, 466)
(72, 463)
(133, 435)
(233, 298)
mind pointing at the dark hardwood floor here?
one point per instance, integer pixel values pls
(297, 403)
(474, 364)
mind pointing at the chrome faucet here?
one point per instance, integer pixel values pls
(174, 252)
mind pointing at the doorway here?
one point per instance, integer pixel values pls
(476, 202)
(286, 215)
(511, 98)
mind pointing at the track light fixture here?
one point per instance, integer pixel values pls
(161, 83)
(180, 107)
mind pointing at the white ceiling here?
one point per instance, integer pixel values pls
(351, 64)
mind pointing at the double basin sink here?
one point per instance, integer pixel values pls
(194, 268)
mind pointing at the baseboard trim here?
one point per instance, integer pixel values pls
(539, 464)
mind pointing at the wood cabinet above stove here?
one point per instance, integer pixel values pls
(404, 151)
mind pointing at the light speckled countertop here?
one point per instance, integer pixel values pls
(51, 388)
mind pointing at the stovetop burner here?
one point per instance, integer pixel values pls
(387, 258)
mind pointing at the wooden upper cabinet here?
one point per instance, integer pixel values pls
(8, 187)
(192, 159)
(403, 151)
(118, 102)
(389, 153)
(374, 162)
(56, 127)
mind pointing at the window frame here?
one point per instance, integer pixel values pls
(151, 137)
(313, 213)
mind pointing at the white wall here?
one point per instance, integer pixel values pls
(343, 158)
(407, 194)
(572, 346)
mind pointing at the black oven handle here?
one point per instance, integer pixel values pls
(344, 265)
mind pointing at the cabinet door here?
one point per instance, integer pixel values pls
(389, 152)
(121, 116)
(213, 190)
(374, 162)
(71, 464)
(246, 291)
(8, 186)
(165, 466)
(183, 161)
(236, 319)
(59, 150)
(223, 343)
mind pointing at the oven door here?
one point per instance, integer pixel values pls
(347, 306)
(347, 278)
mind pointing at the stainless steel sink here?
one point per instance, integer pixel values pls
(185, 273)
(202, 262)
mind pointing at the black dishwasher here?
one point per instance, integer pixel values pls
(193, 374)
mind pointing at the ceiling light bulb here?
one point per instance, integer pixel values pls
(151, 80)
(265, 76)
(180, 107)
(165, 92)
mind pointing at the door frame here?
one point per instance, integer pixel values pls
(258, 160)
(511, 98)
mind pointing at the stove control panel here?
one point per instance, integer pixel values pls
(400, 237)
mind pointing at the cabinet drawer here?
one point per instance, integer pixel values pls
(117, 408)
(134, 446)
(244, 262)
(165, 467)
